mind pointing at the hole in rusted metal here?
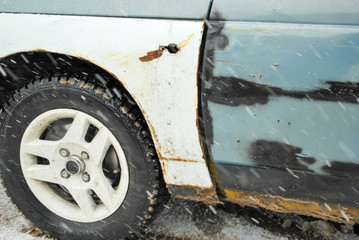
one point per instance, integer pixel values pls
(172, 48)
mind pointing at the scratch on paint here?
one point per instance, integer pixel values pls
(223, 61)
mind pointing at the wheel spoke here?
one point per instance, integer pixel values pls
(40, 148)
(78, 129)
(103, 189)
(99, 146)
(43, 173)
(84, 200)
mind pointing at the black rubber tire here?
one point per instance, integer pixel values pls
(146, 188)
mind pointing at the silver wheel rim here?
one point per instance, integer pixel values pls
(77, 197)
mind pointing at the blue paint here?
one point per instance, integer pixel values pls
(289, 56)
(327, 131)
(293, 11)
(174, 9)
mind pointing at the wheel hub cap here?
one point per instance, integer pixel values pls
(75, 165)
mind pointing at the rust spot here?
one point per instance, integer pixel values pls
(223, 61)
(186, 41)
(39, 50)
(238, 141)
(152, 55)
(288, 123)
(276, 65)
(279, 204)
(260, 75)
(278, 121)
(189, 192)
(252, 75)
(178, 160)
(262, 84)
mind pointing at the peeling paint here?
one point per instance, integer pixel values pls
(194, 193)
(151, 55)
(277, 89)
(222, 61)
(178, 160)
(278, 204)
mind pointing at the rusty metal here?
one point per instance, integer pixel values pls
(194, 193)
(223, 61)
(185, 42)
(172, 48)
(152, 55)
(325, 211)
(178, 160)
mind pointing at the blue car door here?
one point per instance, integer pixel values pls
(279, 95)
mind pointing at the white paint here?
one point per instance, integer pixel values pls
(191, 173)
(165, 88)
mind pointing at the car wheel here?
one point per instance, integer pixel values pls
(75, 164)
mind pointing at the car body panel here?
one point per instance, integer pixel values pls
(280, 102)
(165, 88)
(288, 71)
(295, 11)
(174, 9)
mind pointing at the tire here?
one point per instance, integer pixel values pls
(78, 164)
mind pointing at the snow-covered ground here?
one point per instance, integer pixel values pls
(189, 220)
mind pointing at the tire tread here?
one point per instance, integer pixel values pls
(132, 117)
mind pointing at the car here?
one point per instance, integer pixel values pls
(109, 108)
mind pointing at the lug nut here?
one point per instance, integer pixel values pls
(86, 177)
(65, 174)
(64, 152)
(85, 155)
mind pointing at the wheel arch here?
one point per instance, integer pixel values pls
(18, 69)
